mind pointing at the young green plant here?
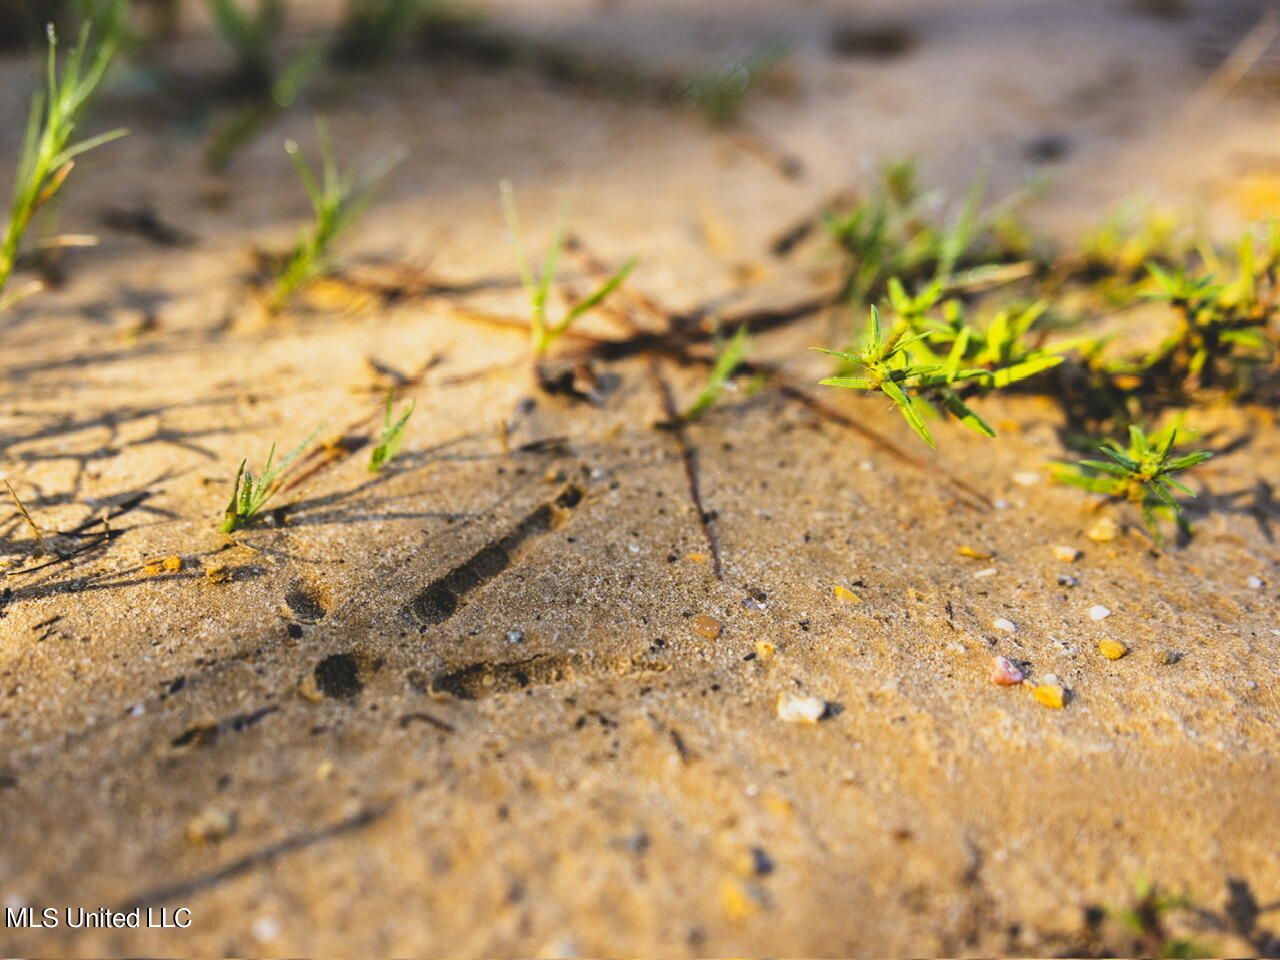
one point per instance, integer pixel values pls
(250, 494)
(730, 355)
(542, 331)
(392, 434)
(48, 153)
(913, 387)
(1142, 474)
(337, 200)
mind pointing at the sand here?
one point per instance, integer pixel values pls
(473, 705)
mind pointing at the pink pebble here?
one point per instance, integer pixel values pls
(1005, 672)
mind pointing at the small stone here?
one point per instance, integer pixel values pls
(1066, 554)
(696, 557)
(844, 595)
(515, 636)
(765, 650)
(751, 603)
(972, 553)
(1051, 695)
(1067, 580)
(209, 826)
(1169, 657)
(171, 564)
(217, 573)
(1098, 612)
(708, 626)
(1112, 649)
(1026, 478)
(324, 770)
(1103, 530)
(1255, 583)
(1008, 626)
(793, 708)
(1006, 673)
(988, 572)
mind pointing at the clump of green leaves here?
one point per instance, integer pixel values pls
(1004, 348)
(729, 356)
(250, 493)
(48, 154)
(338, 198)
(893, 234)
(1141, 473)
(392, 434)
(542, 331)
(1222, 324)
(888, 366)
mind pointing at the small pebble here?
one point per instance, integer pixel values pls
(751, 603)
(515, 636)
(209, 826)
(217, 573)
(708, 626)
(1170, 657)
(793, 708)
(1026, 478)
(1000, 504)
(1112, 649)
(973, 553)
(1255, 583)
(1103, 530)
(697, 557)
(1067, 580)
(1006, 673)
(765, 650)
(1066, 554)
(1098, 612)
(1051, 695)
(1008, 626)
(845, 595)
(988, 572)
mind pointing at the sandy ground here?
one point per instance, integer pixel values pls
(467, 706)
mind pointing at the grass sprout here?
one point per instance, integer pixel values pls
(392, 434)
(250, 494)
(542, 331)
(729, 356)
(720, 94)
(1141, 473)
(338, 198)
(48, 152)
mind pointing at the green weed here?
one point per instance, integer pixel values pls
(392, 434)
(1147, 919)
(337, 200)
(48, 153)
(250, 493)
(913, 387)
(729, 356)
(542, 331)
(1142, 474)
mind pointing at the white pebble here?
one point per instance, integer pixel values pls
(793, 708)
(1255, 583)
(1008, 626)
(1066, 554)
(1098, 612)
(1027, 478)
(988, 572)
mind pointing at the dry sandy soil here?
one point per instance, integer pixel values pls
(467, 706)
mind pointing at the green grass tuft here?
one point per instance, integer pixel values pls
(337, 201)
(48, 153)
(392, 434)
